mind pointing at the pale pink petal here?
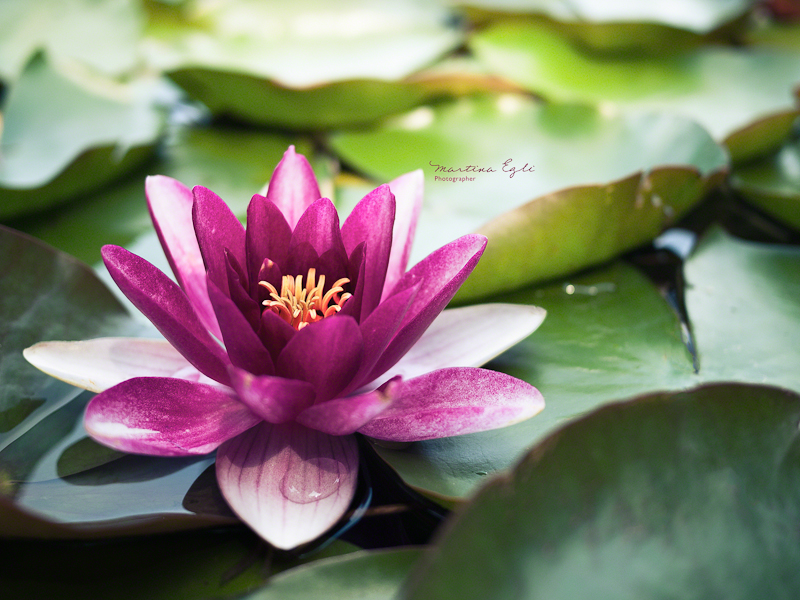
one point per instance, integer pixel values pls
(166, 417)
(289, 483)
(454, 401)
(99, 364)
(407, 190)
(170, 204)
(468, 337)
(293, 186)
(342, 416)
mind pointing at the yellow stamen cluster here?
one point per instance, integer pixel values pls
(300, 305)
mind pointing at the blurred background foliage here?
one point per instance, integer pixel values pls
(623, 120)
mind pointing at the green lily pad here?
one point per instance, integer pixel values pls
(375, 575)
(725, 89)
(45, 295)
(687, 495)
(562, 146)
(773, 184)
(71, 30)
(302, 65)
(60, 140)
(234, 163)
(609, 335)
(699, 16)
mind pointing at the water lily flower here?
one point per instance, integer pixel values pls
(284, 339)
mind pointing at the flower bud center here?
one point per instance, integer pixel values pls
(299, 304)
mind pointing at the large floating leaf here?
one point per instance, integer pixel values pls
(688, 495)
(724, 89)
(696, 15)
(234, 163)
(102, 34)
(59, 140)
(373, 575)
(562, 146)
(306, 64)
(44, 295)
(47, 295)
(608, 335)
(773, 184)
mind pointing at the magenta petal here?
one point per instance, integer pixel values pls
(378, 330)
(343, 416)
(267, 237)
(293, 186)
(242, 344)
(217, 230)
(439, 276)
(454, 401)
(407, 190)
(166, 417)
(289, 483)
(274, 399)
(170, 204)
(275, 333)
(371, 221)
(318, 227)
(326, 354)
(164, 303)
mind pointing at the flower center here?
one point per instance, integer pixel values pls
(300, 305)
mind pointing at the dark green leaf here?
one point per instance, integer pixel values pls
(609, 335)
(773, 184)
(687, 495)
(375, 575)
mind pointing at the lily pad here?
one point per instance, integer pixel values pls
(469, 147)
(695, 15)
(609, 335)
(375, 575)
(699, 83)
(773, 184)
(60, 140)
(306, 64)
(686, 495)
(45, 294)
(70, 30)
(233, 163)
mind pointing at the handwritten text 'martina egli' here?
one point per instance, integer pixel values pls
(506, 168)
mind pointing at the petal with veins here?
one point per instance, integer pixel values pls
(163, 302)
(274, 399)
(407, 190)
(293, 186)
(343, 416)
(99, 364)
(166, 417)
(289, 483)
(439, 276)
(469, 336)
(170, 203)
(454, 401)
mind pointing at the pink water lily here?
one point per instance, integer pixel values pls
(284, 339)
